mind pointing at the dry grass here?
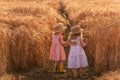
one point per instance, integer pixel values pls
(12, 77)
(112, 75)
(3, 47)
(7, 77)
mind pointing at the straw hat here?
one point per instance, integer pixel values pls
(75, 29)
(59, 27)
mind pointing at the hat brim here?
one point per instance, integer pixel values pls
(60, 30)
(81, 30)
(75, 32)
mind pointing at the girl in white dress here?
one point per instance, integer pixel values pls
(77, 58)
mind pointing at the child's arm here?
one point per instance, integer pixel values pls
(63, 42)
(83, 44)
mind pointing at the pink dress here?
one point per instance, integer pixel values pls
(57, 52)
(77, 57)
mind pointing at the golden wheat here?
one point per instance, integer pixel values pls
(102, 27)
(8, 77)
(3, 48)
(26, 34)
(112, 75)
(25, 31)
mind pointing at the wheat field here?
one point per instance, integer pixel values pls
(26, 29)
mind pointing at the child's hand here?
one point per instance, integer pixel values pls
(81, 38)
(65, 44)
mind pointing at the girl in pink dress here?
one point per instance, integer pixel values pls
(77, 58)
(57, 52)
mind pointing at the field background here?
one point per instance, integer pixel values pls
(26, 29)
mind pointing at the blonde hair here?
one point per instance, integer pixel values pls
(73, 36)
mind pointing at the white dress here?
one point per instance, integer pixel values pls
(77, 57)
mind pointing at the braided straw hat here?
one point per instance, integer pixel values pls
(75, 29)
(59, 27)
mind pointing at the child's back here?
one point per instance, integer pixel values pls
(57, 52)
(56, 39)
(77, 57)
(77, 48)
